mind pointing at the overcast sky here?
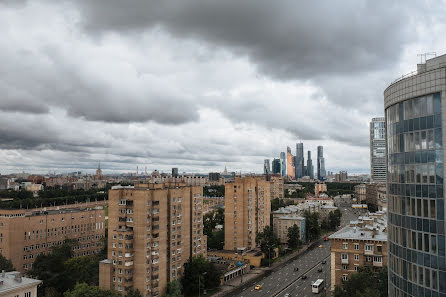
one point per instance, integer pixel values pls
(200, 84)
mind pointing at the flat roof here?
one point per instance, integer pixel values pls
(13, 280)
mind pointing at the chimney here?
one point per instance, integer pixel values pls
(3, 274)
(373, 232)
(18, 277)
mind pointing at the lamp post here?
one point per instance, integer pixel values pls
(199, 283)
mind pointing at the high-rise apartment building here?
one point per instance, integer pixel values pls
(310, 168)
(266, 167)
(290, 164)
(415, 122)
(283, 163)
(247, 211)
(27, 233)
(321, 175)
(276, 167)
(378, 162)
(153, 230)
(299, 165)
(174, 172)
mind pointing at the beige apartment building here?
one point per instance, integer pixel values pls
(247, 211)
(360, 193)
(277, 190)
(281, 224)
(12, 284)
(153, 230)
(27, 233)
(361, 243)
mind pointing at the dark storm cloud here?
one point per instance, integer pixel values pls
(286, 39)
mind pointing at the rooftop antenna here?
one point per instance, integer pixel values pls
(425, 55)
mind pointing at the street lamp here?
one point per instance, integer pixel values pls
(199, 283)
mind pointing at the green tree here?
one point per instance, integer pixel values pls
(216, 240)
(173, 289)
(133, 293)
(325, 225)
(294, 237)
(312, 227)
(5, 264)
(267, 241)
(84, 290)
(334, 219)
(82, 270)
(366, 282)
(199, 267)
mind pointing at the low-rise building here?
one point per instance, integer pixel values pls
(13, 284)
(361, 243)
(375, 193)
(27, 233)
(281, 224)
(277, 186)
(360, 193)
(319, 188)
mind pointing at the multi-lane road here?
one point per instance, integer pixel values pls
(285, 280)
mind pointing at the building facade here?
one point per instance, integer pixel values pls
(153, 230)
(414, 108)
(283, 163)
(360, 193)
(290, 171)
(281, 224)
(310, 168)
(321, 174)
(27, 233)
(12, 284)
(300, 162)
(378, 162)
(266, 167)
(276, 166)
(361, 243)
(277, 187)
(247, 211)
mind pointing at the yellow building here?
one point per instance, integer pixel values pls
(247, 211)
(153, 230)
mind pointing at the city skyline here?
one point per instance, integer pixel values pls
(83, 87)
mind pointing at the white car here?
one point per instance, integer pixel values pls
(287, 295)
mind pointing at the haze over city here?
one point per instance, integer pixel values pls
(199, 86)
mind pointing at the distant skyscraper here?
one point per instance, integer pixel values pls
(299, 160)
(283, 163)
(276, 166)
(378, 164)
(310, 168)
(290, 164)
(266, 167)
(321, 175)
(175, 172)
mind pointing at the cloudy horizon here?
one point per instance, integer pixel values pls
(200, 85)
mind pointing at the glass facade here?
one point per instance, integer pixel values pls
(378, 160)
(417, 263)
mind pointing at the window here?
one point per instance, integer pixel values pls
(28, 294)
(369, 248)
(345, 267)
(356, 268)
(344, 256)
(345, 246)
(344, 277)
(357, 246)
(356, 257)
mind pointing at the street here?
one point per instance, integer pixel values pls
(284, 279)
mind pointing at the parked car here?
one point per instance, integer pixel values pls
(258, 287)
(324, 261)
(319, 269)
(304, 276)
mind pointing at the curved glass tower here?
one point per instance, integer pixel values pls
(415, 112)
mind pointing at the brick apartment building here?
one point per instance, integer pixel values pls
(153, 230)
(361, 243)
(26, 233)
(247, 211)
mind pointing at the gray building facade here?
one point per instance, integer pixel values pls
(378, 162)
(299, 164)
(415, 125)
(310, 168)
(276, 166)
(321, 175)
(283, 163)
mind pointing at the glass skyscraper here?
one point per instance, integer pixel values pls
(310, 168)
(415, 139)
(299, 166)
(378, 163)
(321, 175)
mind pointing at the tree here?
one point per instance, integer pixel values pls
(216, 240)
(267, 241)
(195, 268)
(334, 219)
(365, 282)
(312, 227)
(82, 270)
(133, 293)
(173, 289)
(294, 237)
(6, 264)
(84, 290)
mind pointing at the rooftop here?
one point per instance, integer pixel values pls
(370, 227)
(11, 281)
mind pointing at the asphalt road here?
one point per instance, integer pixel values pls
(284, 279)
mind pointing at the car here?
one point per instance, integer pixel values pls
(258, 287)
(321, 246)
(324, 261)
(287, 295)
(304, 276)
(319, 269)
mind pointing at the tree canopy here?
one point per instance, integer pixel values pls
(294, 237)
(84, 290)
(173, 289)
(365, 282)
(267, 240)
(199, 267)
(312, 227)
(5, 264)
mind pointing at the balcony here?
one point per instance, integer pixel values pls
(368, 252)
(344, 261)
(128, 263)
(377, 264)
